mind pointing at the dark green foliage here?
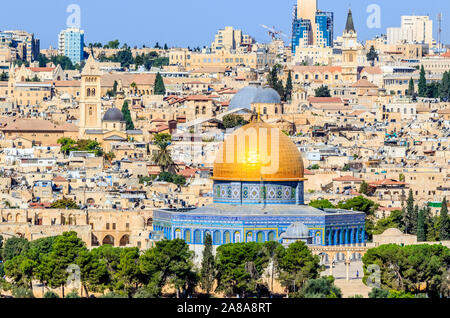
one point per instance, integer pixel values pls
(421, 231)
(409, 215)
(364, 188)
(422, 83)
(322, 204)
(378, 293)
(207, 273)
(239, 267)
(288, 88)
(14, 247)
(22, 292)
(50, 294)
(297, 265)
(444, 87)
(73, 294)
(159, 88)
(128, 275)
(411, 87)
(162, 157)
(172, 178)
(409, 268)
(127, 116)
(359, 203)
(322, 91)
(231, 121)
(394, 220)
(372, 55)
(68, 145)
(112, 45)
(170, 262)
(274, 82)
(444, 222)
(4, 77)
(322, 287)
(65, 204)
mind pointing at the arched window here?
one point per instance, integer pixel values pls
(237, 237)
(226, 237)
(88, 92)
(271, 236)
(249, 237)
(276, 110)
(93, 92)
(187, 236)
(177, 234)
(197, 237)
(260, 237)
(216, 238)
(204, 110)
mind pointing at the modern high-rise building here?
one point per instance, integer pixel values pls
(311, 26)
(23, 45)
(413, 29)
(324, 28)
(71, 44)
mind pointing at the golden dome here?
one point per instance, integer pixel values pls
(258, 152)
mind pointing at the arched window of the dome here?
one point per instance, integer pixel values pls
(197, 237)
(237, 237)
(216, 238)
(271, 236)
(187, 236)
(249, 237)
(226, 237)
(260, 237)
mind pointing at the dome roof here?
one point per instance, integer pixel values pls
(113, 114)
(244, 98)
(297, 230)
(252, 94)
(267, 96)
(270, 156)
(392, 232)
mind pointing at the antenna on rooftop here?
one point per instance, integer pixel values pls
(439, 18)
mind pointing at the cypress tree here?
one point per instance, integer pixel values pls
(421, 231)
(208, 265)
(160, 89)
(444, 222)
(288, 89)
(408, 213)
(422, 83)
(444, 86)
(127, 116)
(411, 87)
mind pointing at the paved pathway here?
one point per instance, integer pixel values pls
(352, 287)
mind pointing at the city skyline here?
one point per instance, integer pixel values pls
(150, 24)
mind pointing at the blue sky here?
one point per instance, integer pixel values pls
(194, 22)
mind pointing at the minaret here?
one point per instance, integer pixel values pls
(350, 51)
(91, 103)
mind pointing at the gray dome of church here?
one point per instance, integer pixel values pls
(244, 98)
(113, 114)
(251, 94)
(297, 230)
(267, 96)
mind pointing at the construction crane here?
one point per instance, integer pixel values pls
(273, 33)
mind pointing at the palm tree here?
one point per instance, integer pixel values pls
(163, 157)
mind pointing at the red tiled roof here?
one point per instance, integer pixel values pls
(188, 173)
(59, 179)
(41, 69)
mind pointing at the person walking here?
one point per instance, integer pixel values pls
(357, 274)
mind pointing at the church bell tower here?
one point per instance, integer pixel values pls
(91, 103)
(350, 51)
